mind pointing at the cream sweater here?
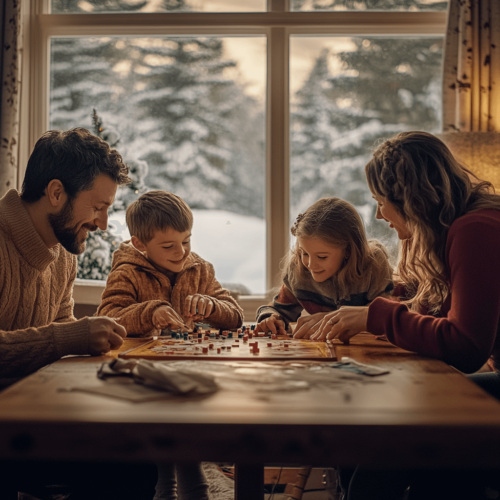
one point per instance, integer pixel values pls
(37, 325)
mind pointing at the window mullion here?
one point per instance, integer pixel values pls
(277, 186)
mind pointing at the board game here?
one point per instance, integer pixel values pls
(210, 346)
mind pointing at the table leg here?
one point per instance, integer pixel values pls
(248, 482)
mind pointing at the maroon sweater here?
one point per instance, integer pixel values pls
(467, 332)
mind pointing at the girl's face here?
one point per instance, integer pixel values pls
(388, 212)
(321, 258)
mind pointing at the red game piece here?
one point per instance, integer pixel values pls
(205, 350)
(228, 347)
(269, 344)
(200, 341)
(236, 345)
(210, 346)
(250, 335)
(218, 350)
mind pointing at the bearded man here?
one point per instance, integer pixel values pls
(70, 182)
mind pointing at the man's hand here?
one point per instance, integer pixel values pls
(199, 306)
(342, 324)
(105, 335)
(273, 324)
(308, 325)
(164, 316)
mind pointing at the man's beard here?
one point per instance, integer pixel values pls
(66, 234)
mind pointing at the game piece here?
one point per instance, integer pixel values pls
(236, 340)
(252, 328)
(245, 340)
(218, 350)
(243, 328)
(250, 335)
(230, 335)
(206, 337)
(236, 345)
(228, 347)
(274, 336)
(200, 341)
(205, 350)
(269, 344)
(210, 346)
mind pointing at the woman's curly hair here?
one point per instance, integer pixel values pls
(417, 173)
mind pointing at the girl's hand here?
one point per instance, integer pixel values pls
(342, 324)
(200, 306)
(164, 316)
(274, 324)
(308, 325)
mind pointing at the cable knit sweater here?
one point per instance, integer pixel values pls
(37, 325)
(135, 288)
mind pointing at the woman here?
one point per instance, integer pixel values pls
(449, 284)
(449, 271)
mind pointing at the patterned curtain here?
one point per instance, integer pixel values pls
(10, 91)
(471, 80)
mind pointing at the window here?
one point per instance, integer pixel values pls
(276, 108)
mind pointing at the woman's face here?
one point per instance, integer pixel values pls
(387, 211)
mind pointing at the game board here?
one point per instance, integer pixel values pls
(366, 340)
(232, 349)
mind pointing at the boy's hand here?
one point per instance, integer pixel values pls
(203, 303)
(273, 324)
(164, 316)
(105, 334)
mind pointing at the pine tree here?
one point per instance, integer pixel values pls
(410, 5)
(386, 86)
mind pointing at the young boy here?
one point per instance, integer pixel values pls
(156, 281)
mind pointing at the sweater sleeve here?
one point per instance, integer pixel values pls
(285, 304)
(120, 301)
(227, 313)
(24, 351)
(465, 337)
(65, 312)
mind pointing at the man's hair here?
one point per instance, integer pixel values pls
(75, 157)
(157, 211)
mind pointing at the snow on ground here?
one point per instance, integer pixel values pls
(235, 245)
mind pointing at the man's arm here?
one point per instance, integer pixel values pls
(24, 351)
(65, 313)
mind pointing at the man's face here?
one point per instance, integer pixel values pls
(86, 212)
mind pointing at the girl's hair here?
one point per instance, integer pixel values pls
(337, 223)
(417, 173)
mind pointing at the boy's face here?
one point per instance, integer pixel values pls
(168, 249)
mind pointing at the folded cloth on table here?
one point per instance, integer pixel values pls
(351, 365)
(160, 376)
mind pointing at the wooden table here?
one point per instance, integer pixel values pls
(423, 413)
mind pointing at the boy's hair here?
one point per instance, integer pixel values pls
(75, 157)
(339, 224)
(156, 211)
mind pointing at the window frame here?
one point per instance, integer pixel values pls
(278, 24)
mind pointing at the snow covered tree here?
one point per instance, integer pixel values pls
(387, 85)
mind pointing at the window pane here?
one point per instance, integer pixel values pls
(339, 5)
(143, 6)
(187, 113)
(348, 94)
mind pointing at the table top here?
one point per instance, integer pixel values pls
(422, 413)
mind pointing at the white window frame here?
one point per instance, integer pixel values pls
(277, 24)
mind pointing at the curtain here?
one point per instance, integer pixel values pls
(471, 76)
(10, 71)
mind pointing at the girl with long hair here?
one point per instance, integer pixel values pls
(331, 265)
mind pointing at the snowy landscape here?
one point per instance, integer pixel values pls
(188, 115)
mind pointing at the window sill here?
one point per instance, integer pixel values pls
(89, 292)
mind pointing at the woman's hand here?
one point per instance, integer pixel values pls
(308, 325)
(273, 324)
(342, 324)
